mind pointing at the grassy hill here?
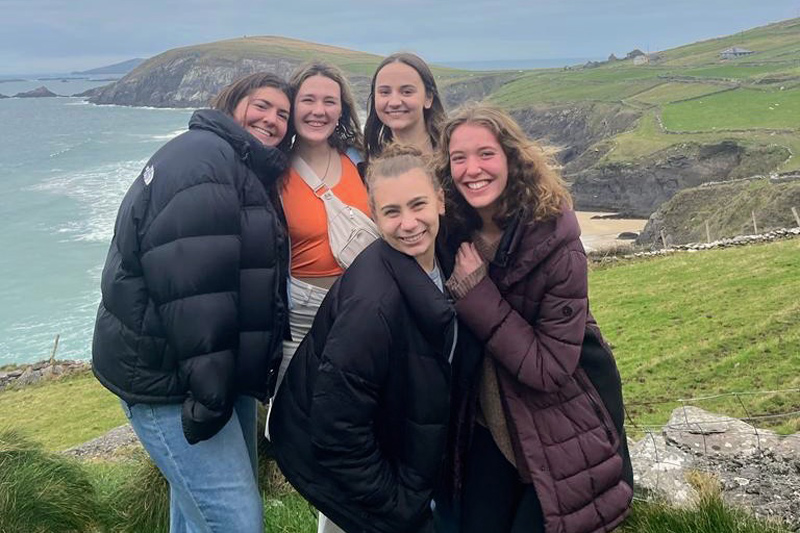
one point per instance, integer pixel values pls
(692, 325)
(688, 93)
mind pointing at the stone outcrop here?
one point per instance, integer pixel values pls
(24, 375)
(726, 208)
(574, 127)
(119, 441)
(638, 189)
(39, 92)
(756, 468)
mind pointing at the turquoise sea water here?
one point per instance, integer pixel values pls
(64, 167)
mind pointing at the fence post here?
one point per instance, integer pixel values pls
(708, 233)
(755, 226)
(53, 353)
(796, 216)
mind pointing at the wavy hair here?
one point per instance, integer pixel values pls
(534, 190)
(376, 134)
(230, 96)
(348, 130)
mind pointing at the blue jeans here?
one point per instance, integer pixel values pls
(213, 484)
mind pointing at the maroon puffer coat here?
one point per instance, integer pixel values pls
(531, 312)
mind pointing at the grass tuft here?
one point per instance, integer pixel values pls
(42, 492)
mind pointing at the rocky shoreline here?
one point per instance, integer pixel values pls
(24, 375)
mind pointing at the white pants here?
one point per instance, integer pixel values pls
(306, 299)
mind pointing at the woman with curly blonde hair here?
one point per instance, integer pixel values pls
(538, 443)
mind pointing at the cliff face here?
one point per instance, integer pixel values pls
(192, 79)
(573, 128)
(637, 189)
(727, 208)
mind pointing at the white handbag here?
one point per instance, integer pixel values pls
(349, 230)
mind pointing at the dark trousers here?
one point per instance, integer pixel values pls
(494, 500)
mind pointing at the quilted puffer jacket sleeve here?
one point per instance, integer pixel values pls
(542, 354)
(190, 262)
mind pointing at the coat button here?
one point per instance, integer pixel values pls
(566, 311)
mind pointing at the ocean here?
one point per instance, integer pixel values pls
(64, 168)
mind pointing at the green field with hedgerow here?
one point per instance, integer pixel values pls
(691, 90)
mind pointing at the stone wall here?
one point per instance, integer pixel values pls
(29, 374)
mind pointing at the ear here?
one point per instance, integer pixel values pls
(428, 100)
(440, 200)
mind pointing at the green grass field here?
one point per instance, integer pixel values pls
(736, 110)
(700, 324)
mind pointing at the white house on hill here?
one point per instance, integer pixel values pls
(733, 53)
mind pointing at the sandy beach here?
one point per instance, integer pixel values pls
(599, 233)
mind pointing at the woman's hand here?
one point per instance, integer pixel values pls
(468, 260)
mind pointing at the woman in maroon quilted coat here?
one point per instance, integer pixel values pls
(538, 438)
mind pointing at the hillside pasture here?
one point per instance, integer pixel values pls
(701, 324)
(675, 91)
(741, 109)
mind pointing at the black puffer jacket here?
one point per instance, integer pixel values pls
(193, 304)
(359, 423)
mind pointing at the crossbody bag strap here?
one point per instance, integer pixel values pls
(309, 177)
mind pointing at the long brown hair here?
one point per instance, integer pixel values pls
(376, 134)
(535, 189)
(230, 96)
(348, 130)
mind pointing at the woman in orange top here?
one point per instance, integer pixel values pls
(326, 131)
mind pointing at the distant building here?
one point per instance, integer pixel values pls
(612, 58)
(733, 53)
(641, 60)
(634, 54)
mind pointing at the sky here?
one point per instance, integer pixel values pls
(56, 36)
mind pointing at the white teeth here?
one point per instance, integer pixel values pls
(475, 185)
(412, 239)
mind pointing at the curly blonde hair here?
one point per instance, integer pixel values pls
(535, 188)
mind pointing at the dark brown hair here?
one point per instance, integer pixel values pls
(230, 96)
(348, 130)
(376, 134)
(534, 189)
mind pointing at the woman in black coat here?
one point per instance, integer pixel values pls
(193, 310)
(359, 424)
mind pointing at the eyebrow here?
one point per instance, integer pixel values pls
(413, 200)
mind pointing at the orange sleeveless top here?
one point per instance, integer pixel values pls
(308, 225)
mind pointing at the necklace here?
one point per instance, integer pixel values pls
(328, 165)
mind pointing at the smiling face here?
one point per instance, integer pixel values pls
(265, 114)
(400, 98)
(317, 108)
(407, 209)
(479, 167)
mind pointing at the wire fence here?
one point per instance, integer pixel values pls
(754, 464)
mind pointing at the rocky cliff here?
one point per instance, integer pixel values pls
(638, 188)
(727, 208)
(191, 76)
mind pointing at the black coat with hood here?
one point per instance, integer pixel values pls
(360, 421)
(193, 306)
